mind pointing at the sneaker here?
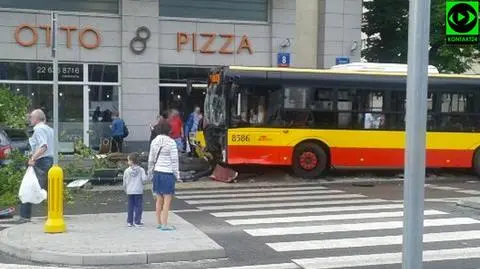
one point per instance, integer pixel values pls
(159, 226)
(139, 225)
(129, 225)
(168, 228)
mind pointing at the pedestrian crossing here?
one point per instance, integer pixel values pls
(322, 228)
(453, 189)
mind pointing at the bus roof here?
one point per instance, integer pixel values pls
(380, 67)
(341, 71)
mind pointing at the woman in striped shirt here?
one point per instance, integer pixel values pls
(163, 169)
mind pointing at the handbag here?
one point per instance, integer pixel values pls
(150, 174)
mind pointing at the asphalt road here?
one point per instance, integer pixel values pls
(334, 226)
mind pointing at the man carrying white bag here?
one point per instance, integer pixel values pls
(41, 160)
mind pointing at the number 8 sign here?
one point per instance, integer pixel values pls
(283, 59)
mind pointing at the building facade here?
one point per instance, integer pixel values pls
(140, 57)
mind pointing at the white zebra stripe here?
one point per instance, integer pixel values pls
(473, 192)
(370, 241)
(443, 188)
(350, 227)
(292, 204)
(259, 189)
(385, 258)
(272, 199)
(237, 195)
(327, 217)
(305, 210)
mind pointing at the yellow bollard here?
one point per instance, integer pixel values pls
(55, 222)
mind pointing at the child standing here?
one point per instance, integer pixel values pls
(133, 179)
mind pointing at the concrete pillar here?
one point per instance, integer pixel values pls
(339, 31)
(306, 40)
(139, 73)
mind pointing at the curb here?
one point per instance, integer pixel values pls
(285, 183)
(103, 259)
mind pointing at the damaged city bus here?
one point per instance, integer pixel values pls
(314, 120)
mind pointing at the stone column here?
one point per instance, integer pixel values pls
(140, 74)
(307, 31)
(339, 29)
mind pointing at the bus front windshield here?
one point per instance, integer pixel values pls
(215, 105)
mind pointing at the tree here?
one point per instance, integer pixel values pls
(386, 25)
(13, 109)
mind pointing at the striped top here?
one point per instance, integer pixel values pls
(167, 160)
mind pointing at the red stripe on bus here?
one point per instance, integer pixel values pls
(394, 158)
(349, 157)
(266, 155)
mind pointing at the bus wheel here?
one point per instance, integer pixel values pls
(476, 162)
(309, 160)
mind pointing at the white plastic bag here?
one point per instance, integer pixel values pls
(30, 190)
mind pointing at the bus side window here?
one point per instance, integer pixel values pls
(322, 108)
(456, 109)
(344, 106)
(369, 104)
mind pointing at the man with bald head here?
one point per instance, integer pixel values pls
(41, 143)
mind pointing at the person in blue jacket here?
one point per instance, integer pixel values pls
(191, 126)
(118, 132)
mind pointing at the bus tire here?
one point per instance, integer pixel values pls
(476, 162)
(309, 160)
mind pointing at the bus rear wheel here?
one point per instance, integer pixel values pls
(309, 161)
(476, 162)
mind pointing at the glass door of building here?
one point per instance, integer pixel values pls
(70, 116)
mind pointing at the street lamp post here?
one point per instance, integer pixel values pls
(416, 121)
(55, 84)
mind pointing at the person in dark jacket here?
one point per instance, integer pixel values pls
(118, 132)
(155, 128)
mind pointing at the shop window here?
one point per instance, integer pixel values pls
(40, 96)
(241, 10)
(102, 73)
(40, 71)
(172, 74)
(103, 100)
(97, 6)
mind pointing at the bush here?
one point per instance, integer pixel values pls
(13, 112)
(11, 176)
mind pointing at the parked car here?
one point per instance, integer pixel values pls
(5, 146)
(19, 139)
(12, 139)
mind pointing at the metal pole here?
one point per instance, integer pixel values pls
(416, 121)
(55, 85)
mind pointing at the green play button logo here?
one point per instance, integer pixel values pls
(462, 22)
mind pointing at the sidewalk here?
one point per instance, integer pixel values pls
(105, 239)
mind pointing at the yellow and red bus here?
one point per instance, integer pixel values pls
(314, 120)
